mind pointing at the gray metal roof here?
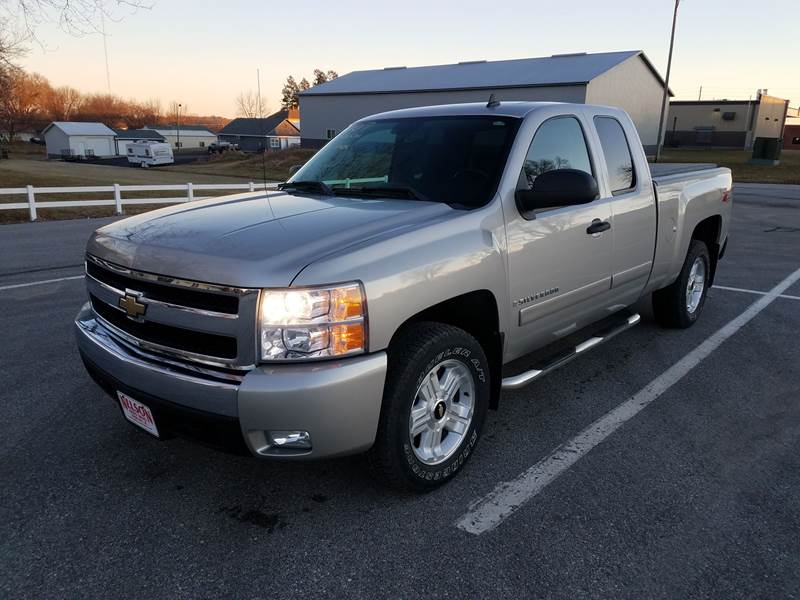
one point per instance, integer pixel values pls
(171, 129)
(565, 69)
(256, 126)
(139, 134)
(81, 128)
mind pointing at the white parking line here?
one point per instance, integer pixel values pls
(488, 512)
(735, 289)
(44, 281)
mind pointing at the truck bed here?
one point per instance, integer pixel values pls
(666, 169)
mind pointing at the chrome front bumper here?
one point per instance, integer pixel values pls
(338, 402)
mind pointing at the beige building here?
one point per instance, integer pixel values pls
(725, 123)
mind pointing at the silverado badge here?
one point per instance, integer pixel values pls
(536, 296)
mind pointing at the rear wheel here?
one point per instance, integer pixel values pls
(434, 404)
(679, 305)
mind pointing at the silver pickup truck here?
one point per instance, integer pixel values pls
(421, 263)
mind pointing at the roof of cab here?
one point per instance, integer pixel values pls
(504, 109)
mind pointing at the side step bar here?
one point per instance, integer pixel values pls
(519, 381)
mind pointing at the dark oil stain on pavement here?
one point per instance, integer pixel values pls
(270, 522)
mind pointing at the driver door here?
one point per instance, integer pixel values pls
(559, 273)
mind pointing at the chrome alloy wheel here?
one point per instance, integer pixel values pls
(695, 285)
(442, 412)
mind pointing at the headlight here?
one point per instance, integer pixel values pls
(308, 323)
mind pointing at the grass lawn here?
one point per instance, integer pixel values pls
(248, 166)
(33, 169)
(28, 166)
(41, 173)
(24, 150)
(736, 160)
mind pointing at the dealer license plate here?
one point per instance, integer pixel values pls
(138, 413)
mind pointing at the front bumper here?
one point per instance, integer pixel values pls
(338, 402)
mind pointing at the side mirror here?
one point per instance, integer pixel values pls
(562, 187)
(294, 169)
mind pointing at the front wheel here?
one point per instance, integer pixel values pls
(679, 305)
(434, 405)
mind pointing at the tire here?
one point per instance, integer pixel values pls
(422, 352)
(672, 305)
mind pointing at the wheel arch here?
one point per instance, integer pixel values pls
(708, 231)
(476, 313)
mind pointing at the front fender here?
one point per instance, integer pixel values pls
(408, 272)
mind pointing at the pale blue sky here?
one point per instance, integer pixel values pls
(204, 53)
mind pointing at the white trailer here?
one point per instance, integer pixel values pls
(147, 154)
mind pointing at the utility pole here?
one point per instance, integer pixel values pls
(178, 119)
(666, 83)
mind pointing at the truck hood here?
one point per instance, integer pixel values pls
(252, 240)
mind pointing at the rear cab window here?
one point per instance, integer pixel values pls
(617, 151)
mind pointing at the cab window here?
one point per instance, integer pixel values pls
(621, 174)
(559, 143)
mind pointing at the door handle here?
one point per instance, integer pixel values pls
(598, 226)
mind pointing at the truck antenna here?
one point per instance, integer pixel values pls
(493, 102)
(263, 133)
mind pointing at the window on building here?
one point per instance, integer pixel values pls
(202, 144)
(178, 144)
(274, 142)
(558, 144)
(615, 146)
(330, 134)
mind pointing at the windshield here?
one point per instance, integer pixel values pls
(455, 160)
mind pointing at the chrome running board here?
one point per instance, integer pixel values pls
(519, 381)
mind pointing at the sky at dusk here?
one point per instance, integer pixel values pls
(204, 54)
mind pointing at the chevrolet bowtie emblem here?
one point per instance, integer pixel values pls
(131, 305)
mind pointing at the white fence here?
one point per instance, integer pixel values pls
(118, 200)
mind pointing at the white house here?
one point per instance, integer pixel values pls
(73, 138)
(624, 79)
(191, 136)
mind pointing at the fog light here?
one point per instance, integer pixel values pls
(290, 439)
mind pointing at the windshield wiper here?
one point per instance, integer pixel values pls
(307, 186)
(390, 191)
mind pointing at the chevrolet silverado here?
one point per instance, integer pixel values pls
(381, 300)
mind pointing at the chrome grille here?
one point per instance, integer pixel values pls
(186, 321)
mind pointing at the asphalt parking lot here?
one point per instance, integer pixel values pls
(695, 495)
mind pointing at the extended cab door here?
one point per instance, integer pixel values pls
(625, 183)
(559, 267)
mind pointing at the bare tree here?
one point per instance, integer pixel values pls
(22, 104)
(11, 45)
(76, 17)
(61, 103)
(249, 105)
(176, 111)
